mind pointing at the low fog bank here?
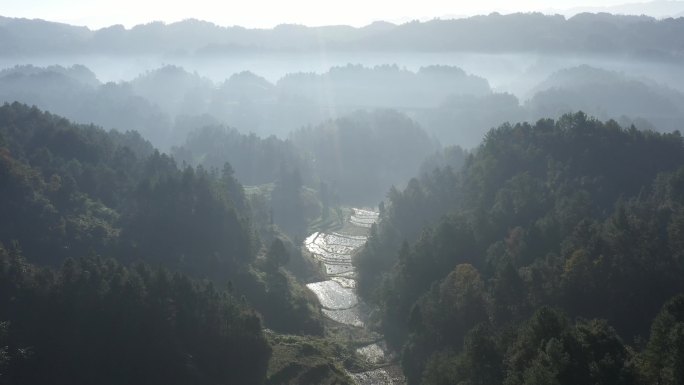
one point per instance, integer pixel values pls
(513, 72)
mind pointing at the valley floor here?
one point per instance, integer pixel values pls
(347, 316)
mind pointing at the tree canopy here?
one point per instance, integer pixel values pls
(575, 215)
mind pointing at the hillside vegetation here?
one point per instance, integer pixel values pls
(554, 254)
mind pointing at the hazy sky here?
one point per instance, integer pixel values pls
(268, 13)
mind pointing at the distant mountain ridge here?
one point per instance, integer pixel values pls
(659, 9)
(530, 32)
(168, 103)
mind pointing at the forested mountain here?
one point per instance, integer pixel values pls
(167, 104)
(534, 32)
(484, 267)
(356, 157)
(88, 188)
(174, 90)
(383, 86)
(76, 93)
(607, 94)
(255, 160)
(95, 321)
(359, 156)
(201, 140)
(73, 191)
(464, 120)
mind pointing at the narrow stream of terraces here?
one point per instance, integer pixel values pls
(337, 295)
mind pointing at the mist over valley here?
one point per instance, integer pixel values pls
(487, 199)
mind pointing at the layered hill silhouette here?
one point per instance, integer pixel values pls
(531, 32)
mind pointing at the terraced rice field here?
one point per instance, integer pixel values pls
(337, 295)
